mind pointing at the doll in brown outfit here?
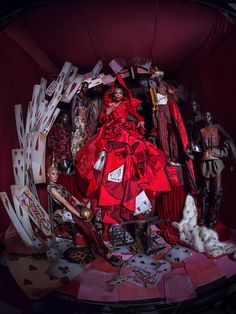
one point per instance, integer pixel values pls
(212, 166)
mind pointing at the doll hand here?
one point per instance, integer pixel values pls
(108, 111)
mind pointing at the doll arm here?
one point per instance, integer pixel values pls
(64, 202)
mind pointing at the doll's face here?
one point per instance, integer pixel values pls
(208, 117)
(118, 94)
(84, 87)
(53, 174)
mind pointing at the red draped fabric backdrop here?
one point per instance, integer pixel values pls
(193, 44)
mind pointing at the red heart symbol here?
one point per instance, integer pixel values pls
(32, 267)
(27, 282)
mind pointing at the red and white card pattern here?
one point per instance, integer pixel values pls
(20, 125)
(49, 111)
(15, 220)
(72, 88)
(36, 212)
(38, 157)
(22, 214)
(34, 106)
(18, 161)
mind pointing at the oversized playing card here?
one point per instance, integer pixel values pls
(108, 79)
(28, 153)
(28, 118)
(72, 88)
(116, 175)
(47, 116)
(43, 87)
(34, 107)
(178, 254)
(51, 88)
(97, 68)
(71, 76)
(22, 214)
(34, 209)
(51, 121)
(20, 125)
(30, 274)
(117, 65)
(38, 157)
(61, 268)
(143, 205)
(144, 262)
(18, 161)
(15, 220)
(41, 110)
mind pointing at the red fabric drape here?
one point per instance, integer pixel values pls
(183, 39)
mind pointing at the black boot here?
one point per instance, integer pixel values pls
(218, 198)
(205, 206)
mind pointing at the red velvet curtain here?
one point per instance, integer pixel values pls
(189, 42)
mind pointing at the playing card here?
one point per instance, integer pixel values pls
(53, 254)
(72, 88)
(34, 107)
(61, 268)
(20, 125)
(116, 175)
(28, 153)
(143, 261)
(41, 110)
(30, 274)
(117, 65)
(49, 111)
(143, 205)
(18, 161)
(15, 220)
(22, 214)
(34, 209)
(38, 157)
(43, 87)
(63, 244)
(70, 76)
(117, 280)
(51, 88)
(51, 121)
(97, 68)
(29, 182)
(108, 79)
(178, 254)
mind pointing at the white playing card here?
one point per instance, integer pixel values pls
(29, 182)
(49, 111)
(41, 110)
(22, 215)
(18, 161)
(28, 153)
(20, 125)
(71, 76)
(16, 222)
(51, 88)
(143, 261)
(61, 268)
(43, 87)
(117, 65)
(34, 106)
(34, 209)
(143, 205)
(28, 118)
(50, 123)
(53, 254)
(72, 88)
(38, 157)
(178, 254)
(97, 68)
(108, 79)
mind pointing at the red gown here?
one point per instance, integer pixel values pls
(118, 166)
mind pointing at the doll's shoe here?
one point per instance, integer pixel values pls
(114, 261)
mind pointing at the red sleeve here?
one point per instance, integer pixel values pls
(134, 113)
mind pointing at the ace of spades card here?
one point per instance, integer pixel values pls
(15, 220)
(20, 125)
(38, 157)
(22, 214)
(36, 212)
(18, 161)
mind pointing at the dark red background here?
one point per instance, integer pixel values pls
(191, 43)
